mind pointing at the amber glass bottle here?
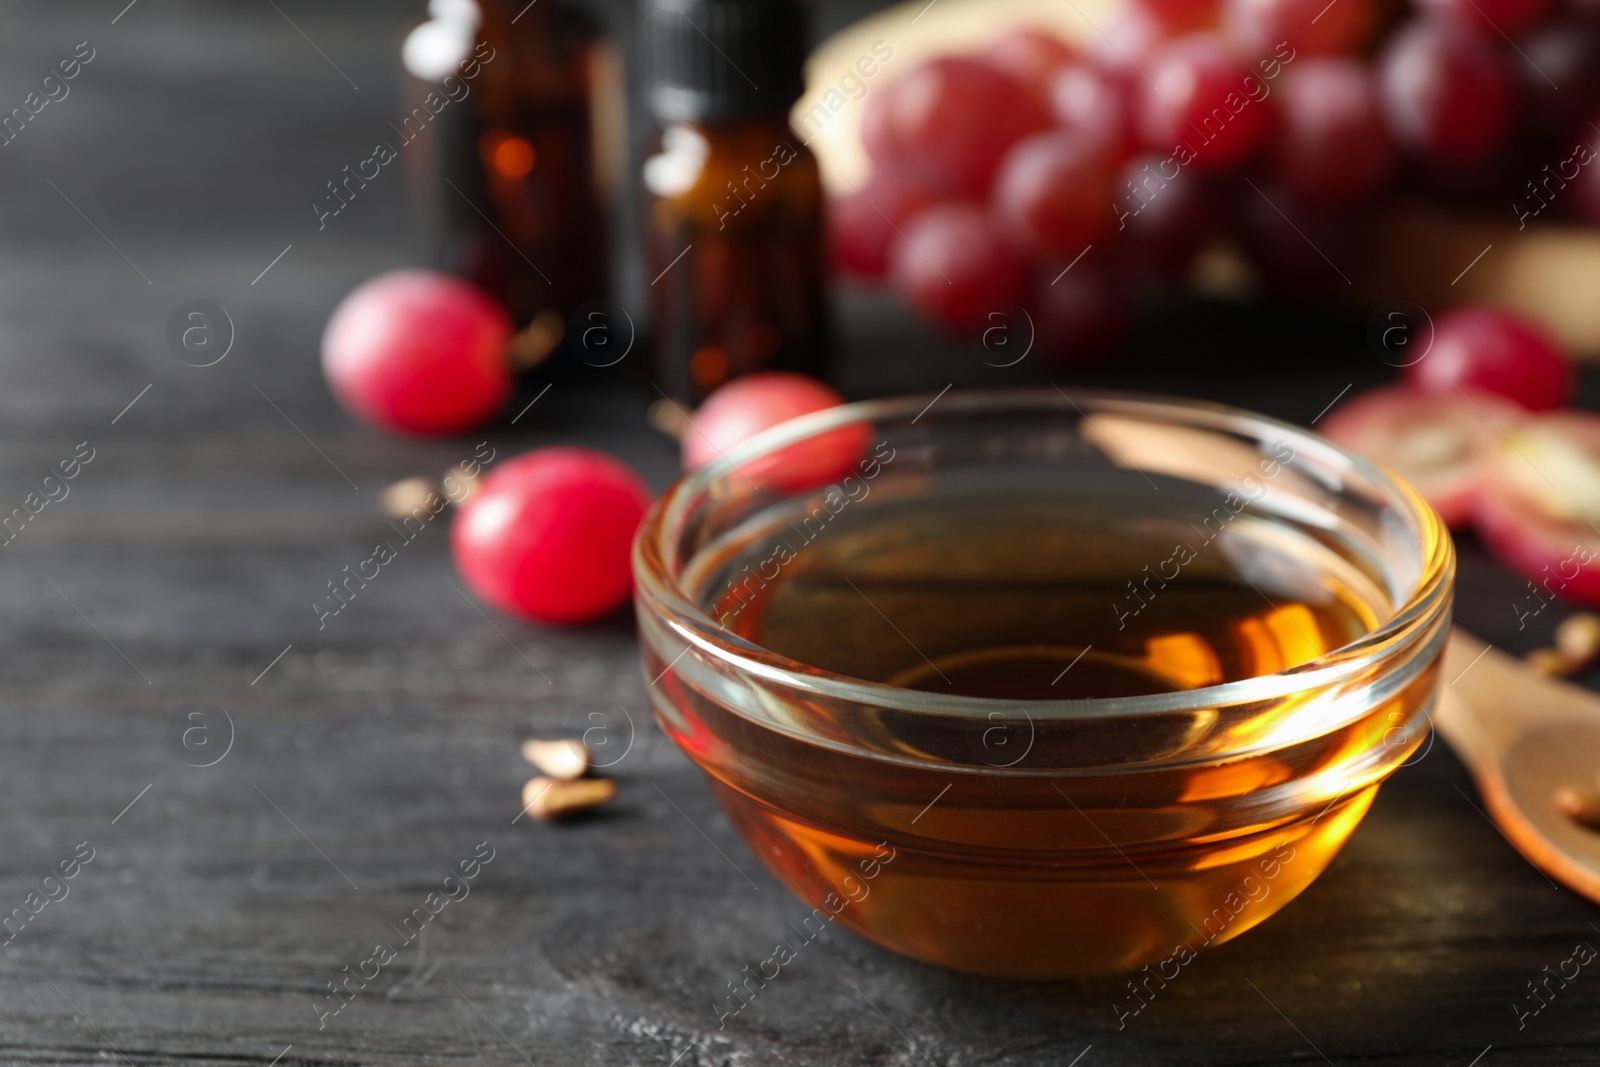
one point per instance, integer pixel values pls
(519, 204)
(733, 200)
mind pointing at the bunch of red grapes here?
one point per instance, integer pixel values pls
(1057, 179)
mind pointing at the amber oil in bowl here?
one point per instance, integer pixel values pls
(1109, 680)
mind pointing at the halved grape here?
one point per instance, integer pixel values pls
(1437, 443)
(1539, 506)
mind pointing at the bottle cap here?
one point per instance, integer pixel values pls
(712, 60)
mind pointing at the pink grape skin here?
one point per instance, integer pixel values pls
(1310, 27)
(1446, 90)
(1054, 192)
(1030, 56)
(1495, 351)
(1331, 146)
(1165, 214)
(862, 224)
(1186, 101)
(746, 406)
(419, 352)
(947, 123)
(1098, 103)
(1520, 529)
(1081, 317)
(548, 535)
(953, 266)
(1489, 16)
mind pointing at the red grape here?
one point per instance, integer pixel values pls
(948, 122)
(861, 226)
(1128, 40)
(745, 406)
(547, 536)
(1437, 443)
(953, 266)
(1564, 53)
(1200, 97)
(1180, 16)
(1080, 317)
(1447, 93)
(1165, 213)
(1310, 27)
(1494, 351)
(1054, 193)
(419, 352)
(1331, 145)
(1586, 185)
(1031, 56)
(1097, 103)
(749, 405)
(1505, 16)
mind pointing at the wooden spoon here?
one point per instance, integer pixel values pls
(1533, 746)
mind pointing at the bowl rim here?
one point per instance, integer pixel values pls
(657, 587)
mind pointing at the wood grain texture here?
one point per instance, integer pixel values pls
(381, 750)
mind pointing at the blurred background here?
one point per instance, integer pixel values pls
(193, 147)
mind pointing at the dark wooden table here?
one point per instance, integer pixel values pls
(354, 765)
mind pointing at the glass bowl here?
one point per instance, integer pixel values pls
(927, 788)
